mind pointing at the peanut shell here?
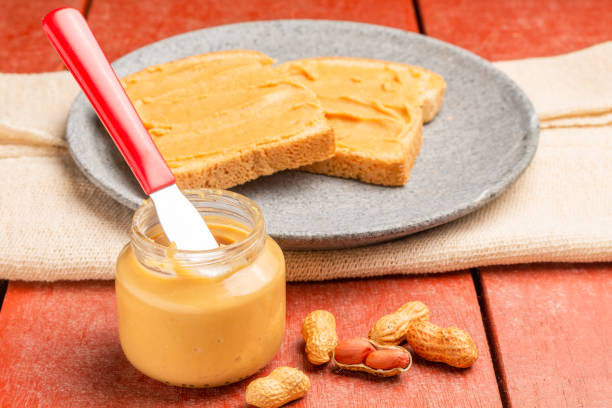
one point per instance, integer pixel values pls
(319, 333)
(283, 385)
(450, 345)
(392, 328)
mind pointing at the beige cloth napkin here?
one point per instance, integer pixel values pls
(57, 225)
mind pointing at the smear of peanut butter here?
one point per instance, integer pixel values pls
(217, 103)
(369, 104)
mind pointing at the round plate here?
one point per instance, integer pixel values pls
(482, 139)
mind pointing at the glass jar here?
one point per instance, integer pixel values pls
(202, 318)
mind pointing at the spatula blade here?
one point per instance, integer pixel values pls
(180, 220)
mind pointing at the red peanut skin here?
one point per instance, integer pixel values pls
(353, 351)
(387, 359)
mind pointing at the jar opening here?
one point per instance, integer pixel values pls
(225, 208)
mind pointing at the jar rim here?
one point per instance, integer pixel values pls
(145, 243)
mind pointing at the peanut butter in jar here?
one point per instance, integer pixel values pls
(202, 318)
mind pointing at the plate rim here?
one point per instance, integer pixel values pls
(306, 241)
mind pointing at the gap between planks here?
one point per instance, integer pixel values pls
(419, 17)
(492, 341)
(3, 287)
(86, 8)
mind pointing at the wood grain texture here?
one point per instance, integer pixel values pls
(499, 30)
(59, 347)
(552, 327)
(123, 25)
(25, 47)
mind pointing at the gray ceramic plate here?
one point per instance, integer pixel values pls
(483, 138)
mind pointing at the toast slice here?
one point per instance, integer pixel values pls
(376, 110)
(224, 118)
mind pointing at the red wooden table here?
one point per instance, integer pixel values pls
(544, 331)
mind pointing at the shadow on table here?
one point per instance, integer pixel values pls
(114, 381)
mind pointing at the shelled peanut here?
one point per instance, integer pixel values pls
(365, 355)
(283, 385)
(450, 345)
(319, 333)
(392, 328)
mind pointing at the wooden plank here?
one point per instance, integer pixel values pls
(25, 47)
(59, 347)
(499, 30)
(552, 327)
(123, 25)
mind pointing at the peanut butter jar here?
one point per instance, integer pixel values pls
(202, 318)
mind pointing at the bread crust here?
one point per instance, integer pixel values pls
(239, 167)
(391, 170)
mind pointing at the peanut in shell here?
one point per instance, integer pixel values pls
(392, 328)
(319, 333)
(449, 345)
(283, 385)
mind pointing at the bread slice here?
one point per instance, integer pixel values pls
(376, 109)
(224, 118)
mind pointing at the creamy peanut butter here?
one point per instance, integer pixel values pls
(212, 104)
(370, 105)
(189, 330)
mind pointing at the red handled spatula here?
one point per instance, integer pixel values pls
(76, 44)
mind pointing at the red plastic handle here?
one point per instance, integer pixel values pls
(72, 38)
